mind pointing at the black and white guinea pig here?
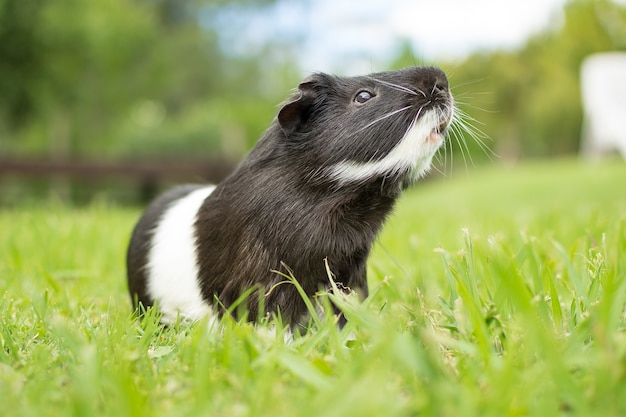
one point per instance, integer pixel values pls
(316, 188)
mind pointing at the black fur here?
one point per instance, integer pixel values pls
(280, 211)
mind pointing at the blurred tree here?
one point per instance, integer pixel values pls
(20, 61)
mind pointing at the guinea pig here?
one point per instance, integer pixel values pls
(310, 197)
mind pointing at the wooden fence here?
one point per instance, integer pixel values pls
(147, 176)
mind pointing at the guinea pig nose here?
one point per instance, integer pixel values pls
(431, 81)
(441, 85)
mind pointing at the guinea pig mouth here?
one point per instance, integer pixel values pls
(437, 133)
(435, 136)
(443, 127)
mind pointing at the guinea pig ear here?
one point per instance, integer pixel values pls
(296, 111)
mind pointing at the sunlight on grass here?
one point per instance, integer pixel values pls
(497, 292)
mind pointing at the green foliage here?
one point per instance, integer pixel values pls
(20, 62)
(97, 78)
(499, 293)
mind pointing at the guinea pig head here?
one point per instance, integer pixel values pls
(352, 129)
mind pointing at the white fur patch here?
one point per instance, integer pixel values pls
(414, 152)
(172, 266)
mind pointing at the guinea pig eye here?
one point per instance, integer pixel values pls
(363, 96)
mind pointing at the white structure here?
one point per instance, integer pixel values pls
(603, 87)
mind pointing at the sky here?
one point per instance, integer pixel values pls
(358, 35)
(436, 29)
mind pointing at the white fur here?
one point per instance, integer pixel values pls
(172, 265)
(414, 152)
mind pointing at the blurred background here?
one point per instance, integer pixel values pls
(120, 98)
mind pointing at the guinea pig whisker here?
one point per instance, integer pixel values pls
(438, 159)
(447, 145)
(460, 137)
(414, 121)
(482, 109)
(433, 90)
(466, 123)
(470, 82)
(464, 148)
(417, 116)
(370, 124)
(397, 87)
(446, 112)
(461, 126)
(441, 160)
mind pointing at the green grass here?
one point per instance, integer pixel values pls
(499, 292)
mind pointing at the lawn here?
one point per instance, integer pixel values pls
(496, 292)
